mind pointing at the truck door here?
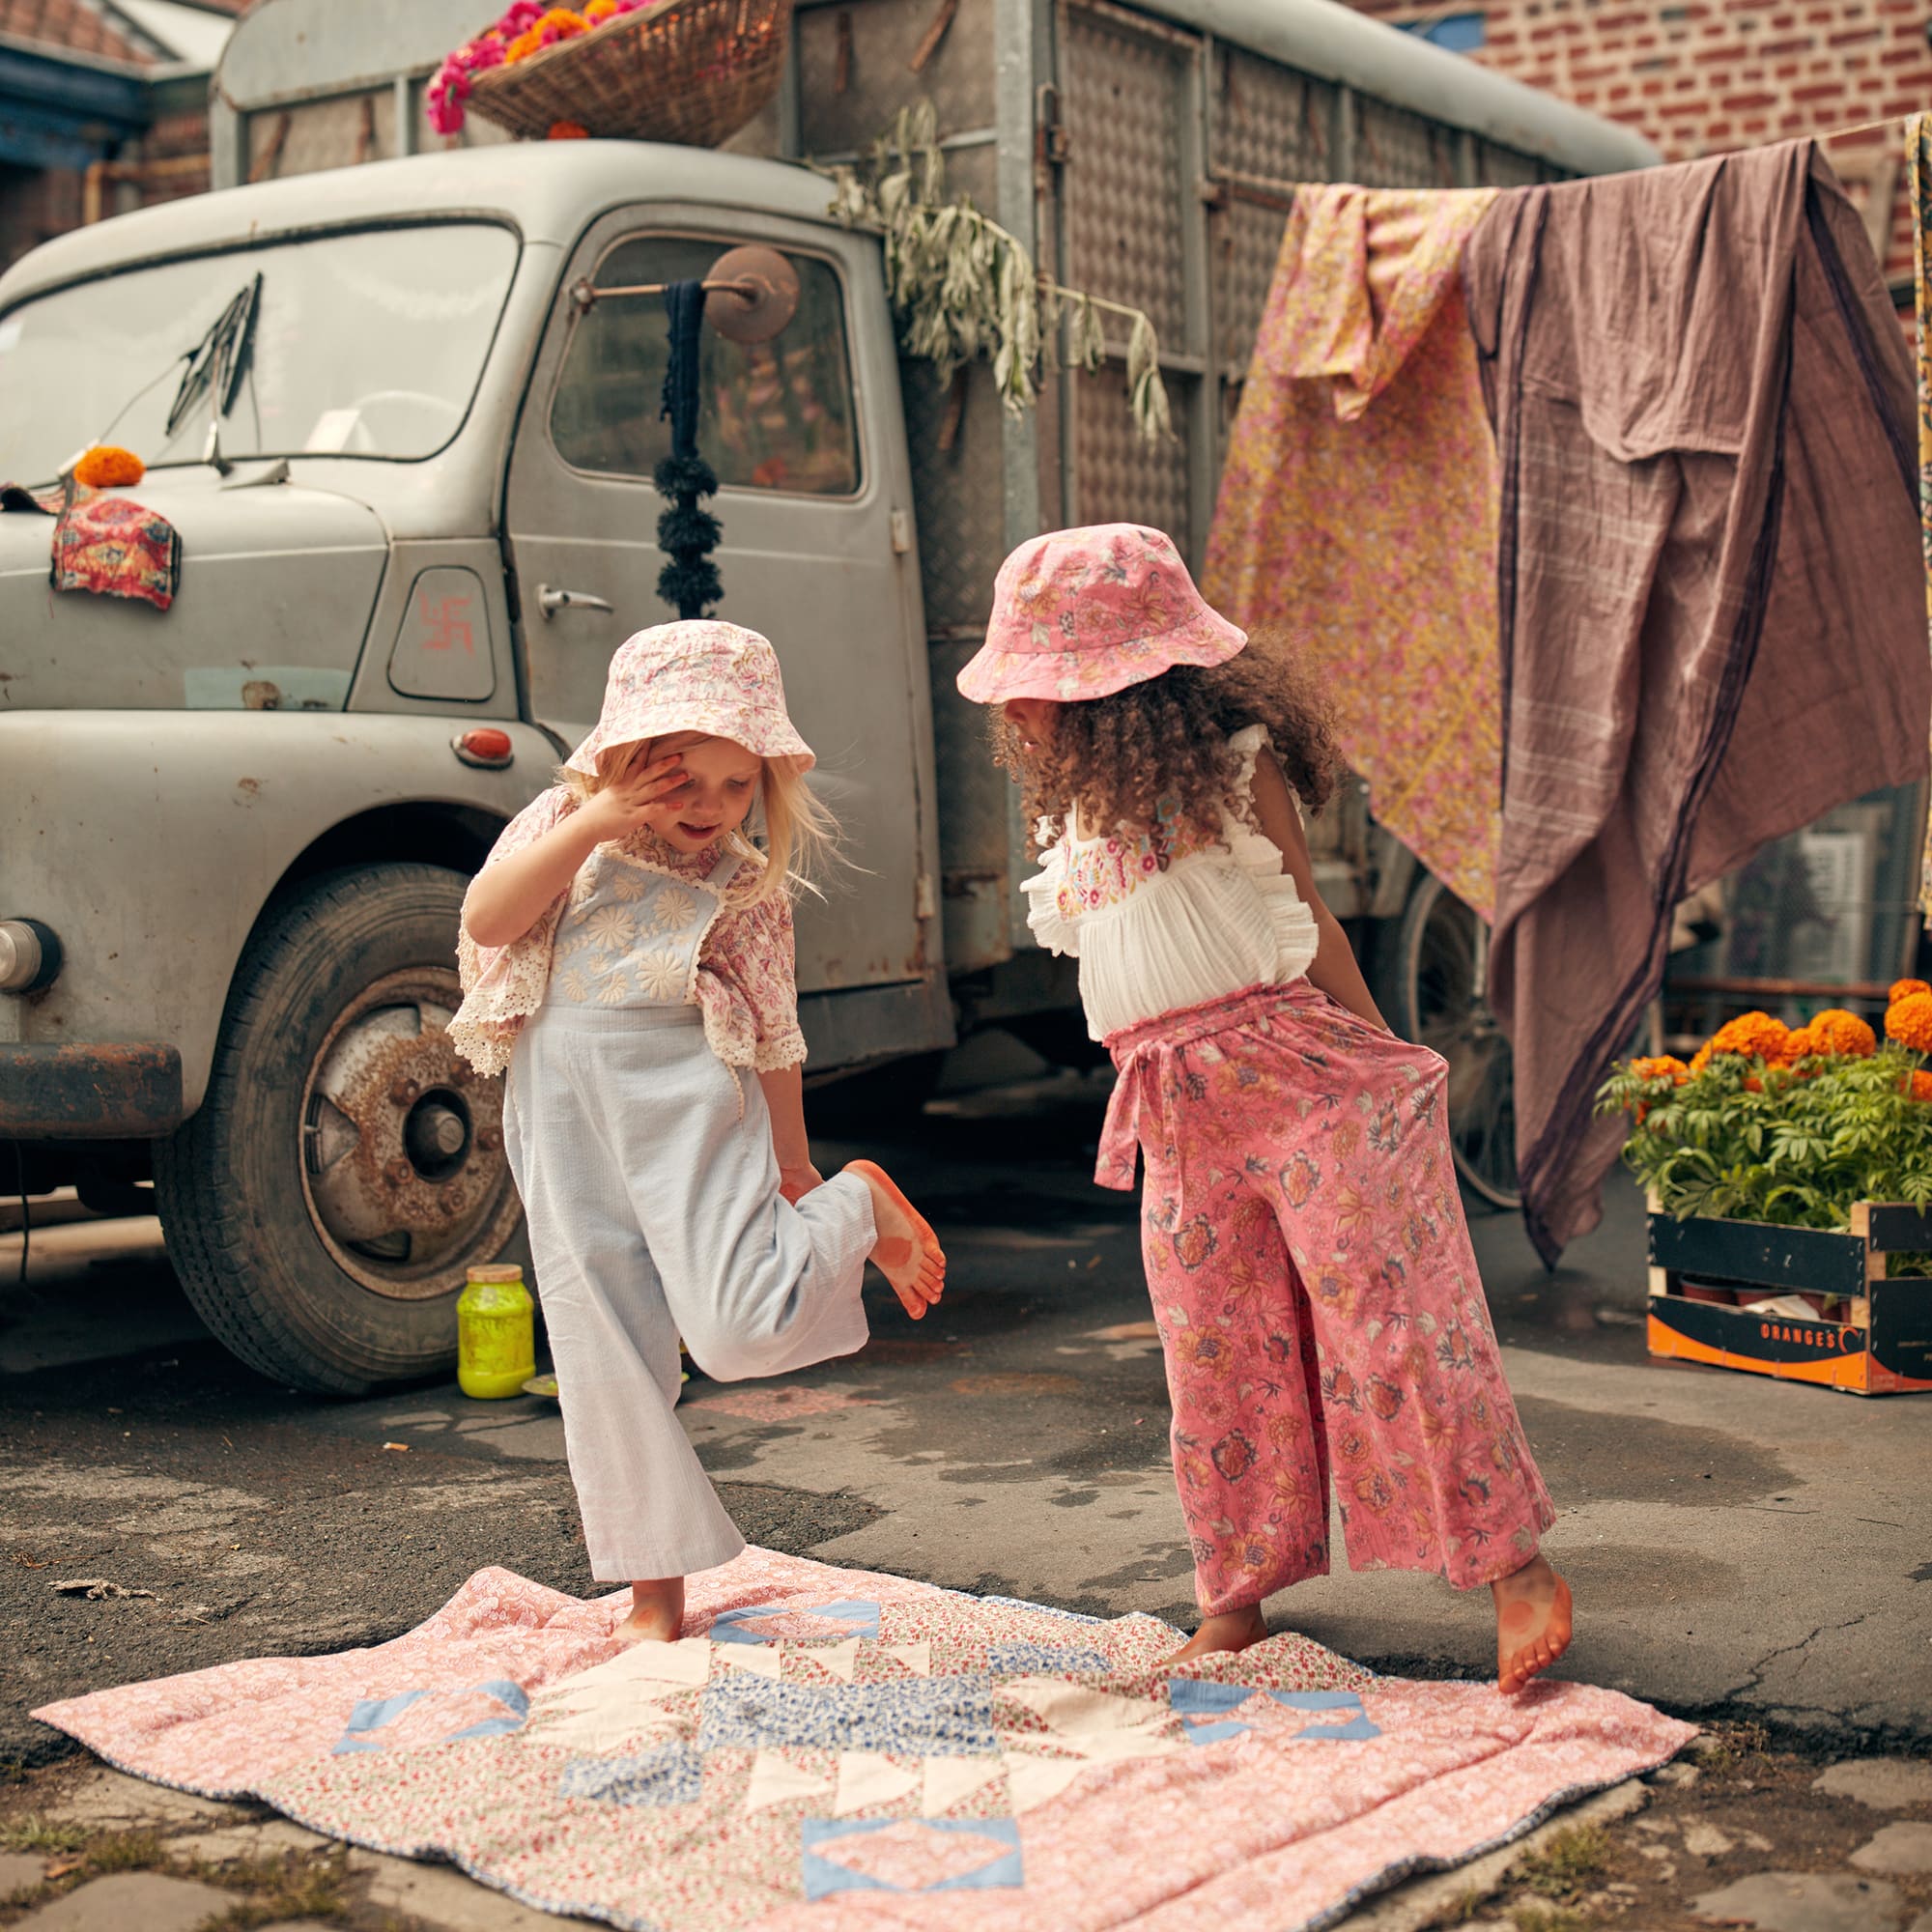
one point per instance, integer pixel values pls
(805, 435)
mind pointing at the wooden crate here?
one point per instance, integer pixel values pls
(1882, 1347)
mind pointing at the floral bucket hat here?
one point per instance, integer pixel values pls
(694, 676)
(1084, 614)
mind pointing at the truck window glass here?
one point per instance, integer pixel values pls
(365, 343)
(775, 415)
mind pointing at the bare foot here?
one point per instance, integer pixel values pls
(1231, 1630)
(657, 1612)
(1533, 1623)
(906, 1252)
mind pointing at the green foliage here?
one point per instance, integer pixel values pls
(1567, 1862)
(1744, 1140)
(963, 287)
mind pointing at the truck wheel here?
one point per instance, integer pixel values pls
(345, 1167)
(1431, 987)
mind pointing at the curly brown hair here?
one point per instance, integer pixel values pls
(1159, 750)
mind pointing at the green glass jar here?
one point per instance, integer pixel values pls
(496, 1333)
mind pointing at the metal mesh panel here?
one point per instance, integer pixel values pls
(874, 41)
(1121, 478)
(1270, 122)
(1122, 99)
(957, 493)
(1396, 148)
(1504, 167)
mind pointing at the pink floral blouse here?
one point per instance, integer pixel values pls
(747, 986)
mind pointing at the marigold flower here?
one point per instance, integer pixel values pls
(1663, 1067)
(1752, 1036)
(1903, 990)
(106, 468)
(600, 10)
(1920, 1088)
(1910, 1022)
(1800, 1043)
(1837, 1032)
(527, 43)
(567, 130)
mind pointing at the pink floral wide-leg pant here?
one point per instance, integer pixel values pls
(1318, 1300)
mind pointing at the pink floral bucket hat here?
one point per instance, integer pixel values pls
(1084, 614)
(694, 676)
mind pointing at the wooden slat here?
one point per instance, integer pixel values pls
(1760, 1254)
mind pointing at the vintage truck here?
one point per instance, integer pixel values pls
(410, 475)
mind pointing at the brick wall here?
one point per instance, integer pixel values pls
(1699, 77)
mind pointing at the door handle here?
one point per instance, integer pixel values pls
(550, 600)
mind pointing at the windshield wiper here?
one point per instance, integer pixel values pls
(216, 367)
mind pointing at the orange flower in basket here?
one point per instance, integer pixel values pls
(568, 131)
(521, 47)
(106, 468)
(600, 10)
(1837, 1032)
(1902, 989)
(1910, 1022)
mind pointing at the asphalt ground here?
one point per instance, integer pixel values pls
(1740, 1549)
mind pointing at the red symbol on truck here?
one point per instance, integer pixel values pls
(446, 624)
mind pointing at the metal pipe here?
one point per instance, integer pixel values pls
(585, 293)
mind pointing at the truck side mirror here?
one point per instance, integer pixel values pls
(751, 294)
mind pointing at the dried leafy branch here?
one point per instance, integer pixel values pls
(963, 287)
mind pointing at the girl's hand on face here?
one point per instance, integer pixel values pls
(636, 796)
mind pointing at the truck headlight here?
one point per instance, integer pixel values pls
(30, 955)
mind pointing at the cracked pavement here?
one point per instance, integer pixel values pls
(1015, 1442)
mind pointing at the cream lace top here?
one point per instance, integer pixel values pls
(1216, 921)
(745, 986)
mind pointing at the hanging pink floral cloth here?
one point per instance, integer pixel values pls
(114, 547)
(1358, 508)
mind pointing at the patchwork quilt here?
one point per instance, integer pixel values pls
(835, 1750)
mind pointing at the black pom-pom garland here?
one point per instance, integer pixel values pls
(687, 535)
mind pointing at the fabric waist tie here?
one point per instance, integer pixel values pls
(1148, 1056)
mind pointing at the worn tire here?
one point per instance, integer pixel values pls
(1425, 984)
(242, 1227)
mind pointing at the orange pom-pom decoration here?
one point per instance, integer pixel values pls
(105, 467)
(568, 131)
(1903, 990)
(1910, 1022)
(1835, 1030)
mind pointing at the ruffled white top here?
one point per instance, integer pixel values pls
(1218, 920)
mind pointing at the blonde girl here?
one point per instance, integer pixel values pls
(627, 955)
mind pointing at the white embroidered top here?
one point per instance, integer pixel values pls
(1219, 919)
(734, 961)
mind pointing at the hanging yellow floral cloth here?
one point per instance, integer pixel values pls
(1358, 509)
(1918, 172)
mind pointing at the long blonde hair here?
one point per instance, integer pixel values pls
(801, 836)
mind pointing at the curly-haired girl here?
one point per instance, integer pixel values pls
(1311, 1273)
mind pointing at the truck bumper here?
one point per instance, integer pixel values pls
(63, 1091)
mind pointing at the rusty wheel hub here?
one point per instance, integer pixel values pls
(403, 1145)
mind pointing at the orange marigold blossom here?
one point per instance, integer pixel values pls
(523, 46)
(1920, 1088)
(1663, 1067)
(106, 468)
(1800, 1043)
(1837, 1032)
(1910, 1022)
(567, 130)
(1752, 1035)
(600, 10)
(1901, 990)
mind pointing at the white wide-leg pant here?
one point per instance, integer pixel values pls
(655, 1215)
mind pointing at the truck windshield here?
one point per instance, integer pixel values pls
(365, 343)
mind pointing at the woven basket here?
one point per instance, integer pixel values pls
(686, 70)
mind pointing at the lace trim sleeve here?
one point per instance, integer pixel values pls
(1045, 892)
(752, 955)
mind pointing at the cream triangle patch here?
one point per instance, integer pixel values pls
(777, 1781)
(867, 1778)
